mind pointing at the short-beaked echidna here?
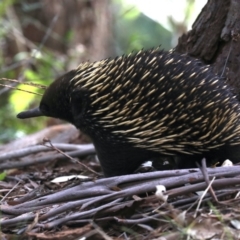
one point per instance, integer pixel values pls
(144, 105)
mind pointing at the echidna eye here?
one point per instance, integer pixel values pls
(44, 108)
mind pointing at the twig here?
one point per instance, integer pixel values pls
(42, 148)
(2, 200)
(202, 196)
(68, 156)
(28, 162)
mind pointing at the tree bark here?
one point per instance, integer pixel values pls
(214, 39)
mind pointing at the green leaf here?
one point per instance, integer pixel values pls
(2, 176)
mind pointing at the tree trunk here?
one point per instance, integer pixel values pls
(214, 39)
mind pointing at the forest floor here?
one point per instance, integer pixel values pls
(52, 188)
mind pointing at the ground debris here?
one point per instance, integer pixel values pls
(84, 205)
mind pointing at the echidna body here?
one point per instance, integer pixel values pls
(144, 105)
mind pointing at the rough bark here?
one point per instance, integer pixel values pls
(214, 39)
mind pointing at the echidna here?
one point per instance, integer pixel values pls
(145, 105)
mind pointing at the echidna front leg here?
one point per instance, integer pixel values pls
(117, 159)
